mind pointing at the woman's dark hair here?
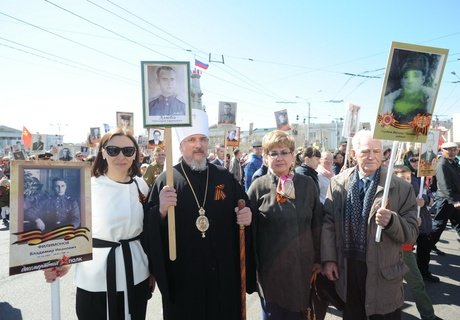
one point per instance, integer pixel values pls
(100, 165)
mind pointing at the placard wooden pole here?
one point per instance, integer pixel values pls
(170, 182)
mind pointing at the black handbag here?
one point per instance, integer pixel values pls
(322, 294)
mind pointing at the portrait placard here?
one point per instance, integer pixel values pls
(227, 113)
(50, 217)
(39, 142)
(19, 155)
(350, 124)
(232, 137)
(409, 92)
(155, 137)
(282, 121)
(125, 120)
(429, 155)
(166, 93)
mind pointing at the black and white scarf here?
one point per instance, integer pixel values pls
(356, 216)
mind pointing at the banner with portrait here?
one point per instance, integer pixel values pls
(282, 120)
(125, 120)
(429, 155)
(227, 113)
(351, 122)
(50, 216)
(155, 138)
(409, 92)
(232, 137)
(166, 94)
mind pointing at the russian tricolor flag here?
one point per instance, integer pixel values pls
(201, 65)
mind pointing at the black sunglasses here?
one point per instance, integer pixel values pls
(115, 151)
(413, 160)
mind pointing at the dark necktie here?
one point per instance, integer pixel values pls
(366, 183)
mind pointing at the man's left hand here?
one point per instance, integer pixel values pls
(243, 216)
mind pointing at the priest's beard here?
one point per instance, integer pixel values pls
(198, 165)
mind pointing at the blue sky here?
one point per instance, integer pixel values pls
(273, 51)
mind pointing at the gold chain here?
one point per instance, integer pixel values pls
(193, 191)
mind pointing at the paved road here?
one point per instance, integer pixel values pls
(27, 296)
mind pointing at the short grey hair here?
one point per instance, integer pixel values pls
(360, 136)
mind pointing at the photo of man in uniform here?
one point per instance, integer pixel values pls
(166, 103)
(38, 145)
(226, 113)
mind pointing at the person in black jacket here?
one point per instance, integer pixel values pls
(311, 158)
(447, 199)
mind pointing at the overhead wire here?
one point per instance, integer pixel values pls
(107, 29)
(83, 65)
(68, 39)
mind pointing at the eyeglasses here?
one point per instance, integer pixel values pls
(413, 160)
(282, 154)
(195, 140)
(115, 151)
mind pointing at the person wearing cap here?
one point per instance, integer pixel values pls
(125, 121)
(254, 162)
(79, 156)
(34, 198)
(156, 167)
(414, 95)
(447, 199)
(167, 103)
(204, 280)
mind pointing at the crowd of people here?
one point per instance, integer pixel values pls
(306, 214)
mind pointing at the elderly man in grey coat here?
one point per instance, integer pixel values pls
(368, 275)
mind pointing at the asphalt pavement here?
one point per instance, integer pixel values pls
(28, 296)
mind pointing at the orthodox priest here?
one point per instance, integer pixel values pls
(204, 280)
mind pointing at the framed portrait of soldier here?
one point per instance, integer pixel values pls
(19, 155)
(39, 142)
(125, 120)
(282, 121)
(232, 137)
(166, 94)
(429, 155)
(94, 135)
(227, 113)
(50, 215)
(410, 88)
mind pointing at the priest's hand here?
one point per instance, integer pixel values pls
(168, 197)
(243, 216)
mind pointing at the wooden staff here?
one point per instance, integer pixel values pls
(170, 182)
(241, 205)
